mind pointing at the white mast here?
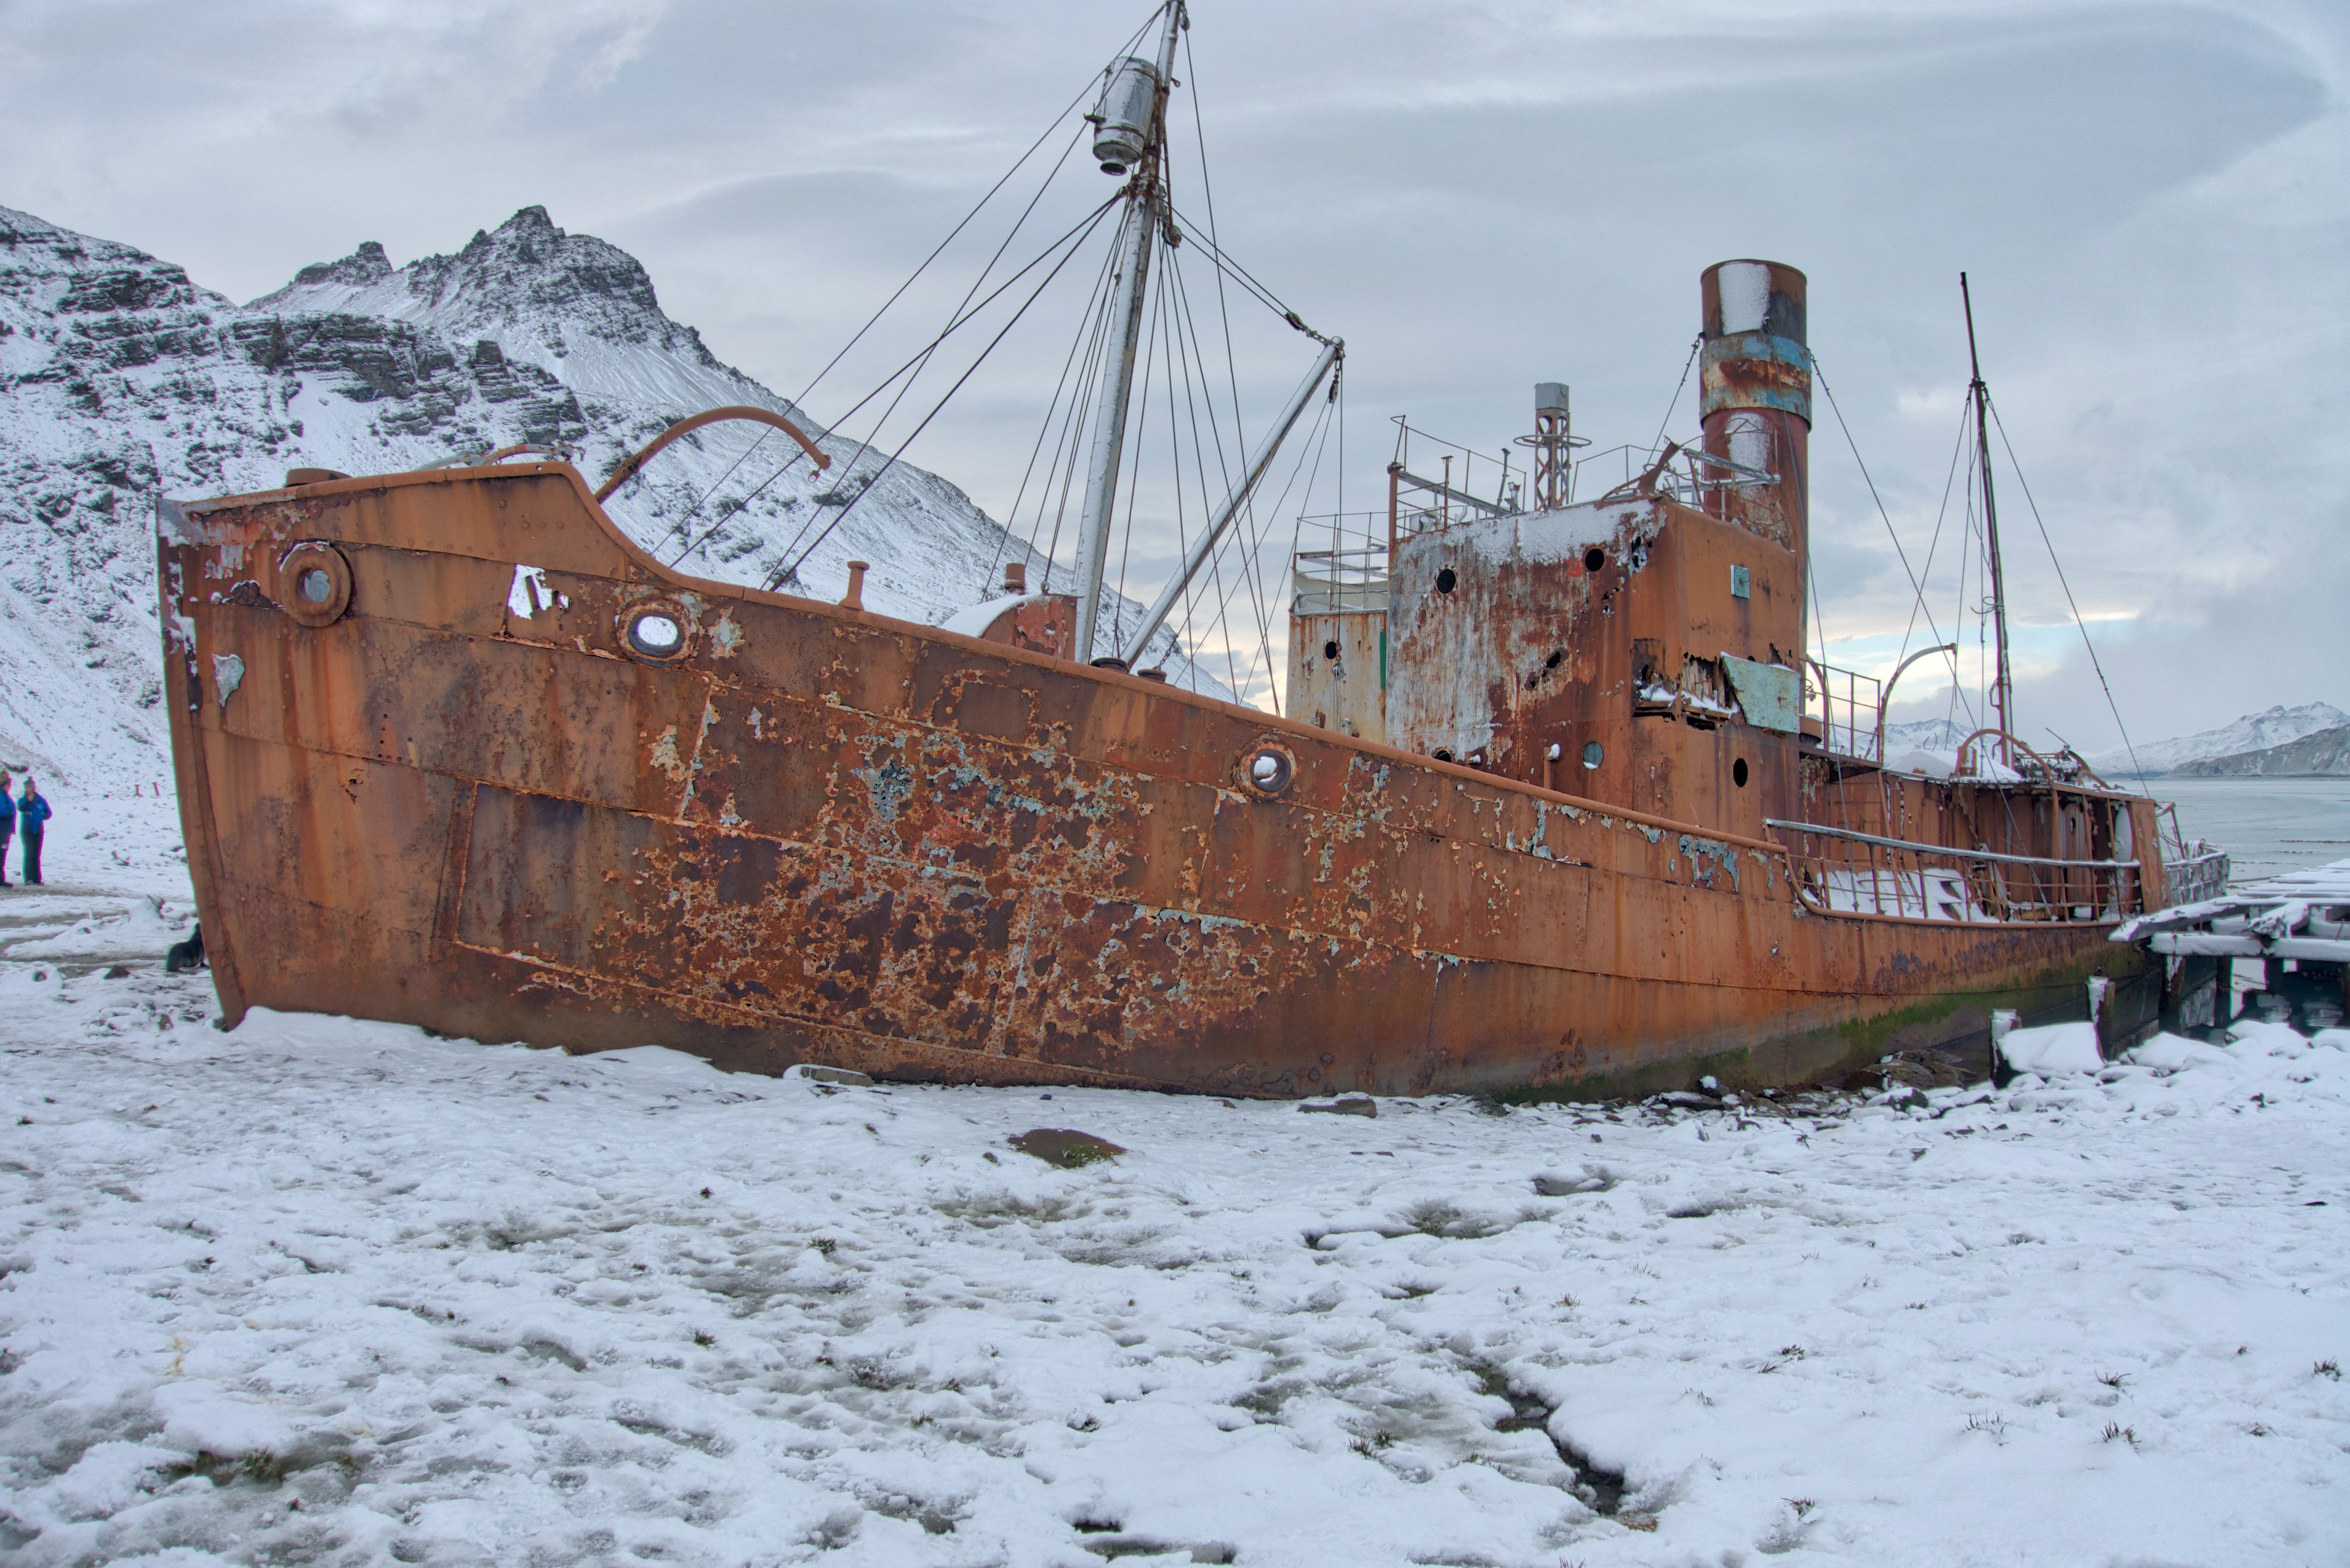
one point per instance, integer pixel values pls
(1115, 140)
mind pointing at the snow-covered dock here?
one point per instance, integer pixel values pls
(2302, 915)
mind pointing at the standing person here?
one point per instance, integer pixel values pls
(7, 823)
(31, 816)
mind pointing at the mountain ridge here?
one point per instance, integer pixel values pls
(127, 381)
(2324, 754)
(2273, 726)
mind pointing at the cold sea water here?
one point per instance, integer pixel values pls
(2267, 826)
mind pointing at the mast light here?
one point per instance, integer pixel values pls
(1122, 118)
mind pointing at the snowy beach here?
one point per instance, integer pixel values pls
(322, 1290)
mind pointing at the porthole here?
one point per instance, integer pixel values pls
(1442, 754)
(1594, 558)
(1737, 773)
(1267, 770)
(314, 585)
(659, 632)
(1330, 651)
(1446, 580)
(1592, 754)
(656, 636)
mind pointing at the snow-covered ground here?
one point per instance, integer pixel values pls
(322, 1290)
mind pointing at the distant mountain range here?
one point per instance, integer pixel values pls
(2326, 753)
(2278, 731)
(126, 381)
(2253, 732)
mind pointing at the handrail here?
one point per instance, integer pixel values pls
(1854, 706)
(1438, 486)
(1947, 849)
(1884, 695)
(629, 465)
(2046, 766)
(2050, 774)
(482, 459)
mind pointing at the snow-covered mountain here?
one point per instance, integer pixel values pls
(1924, 735)
(2279, 726)
(2253, 732)
(2324, 754)
(126, 381)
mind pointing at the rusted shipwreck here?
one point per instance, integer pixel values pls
(1560, 804)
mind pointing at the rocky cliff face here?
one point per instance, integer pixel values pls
(126, 381)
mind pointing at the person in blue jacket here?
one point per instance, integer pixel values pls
(31, 816)
(7, 824)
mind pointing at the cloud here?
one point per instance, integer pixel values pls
(2151, 200)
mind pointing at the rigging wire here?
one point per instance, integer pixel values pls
(992, 343)
(921, 361)
(1151, 341)
(1077, 343)
(1222, 261)
(1080, 412)
(1225, 267)
(2094, 663)
(1252, 553)
(1175, 330)
(911, 278)
(1197, 357)
(1695, 343)
(1175, 469)
(1318, 439)
(1916, 587)
(1933, 547)
(1254, 524)
(1073, 237)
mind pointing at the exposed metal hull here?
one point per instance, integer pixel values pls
(825, 834)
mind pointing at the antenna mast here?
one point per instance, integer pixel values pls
(1131, 120)
(2003, 692)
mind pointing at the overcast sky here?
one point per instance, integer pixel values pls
(2153, 203)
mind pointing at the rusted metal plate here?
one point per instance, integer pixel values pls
(815, 834)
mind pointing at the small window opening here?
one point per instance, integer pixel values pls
(1737, 773)
(1594, 558)
(317, 587)
(1446, 581)
(1592, 754)
(1330, 651)
(1442, 754)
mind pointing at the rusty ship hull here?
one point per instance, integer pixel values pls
(426, 776)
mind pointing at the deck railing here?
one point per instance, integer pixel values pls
(1851, 711)
(1839, 871)
(1332, 582)
(2198, 877)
